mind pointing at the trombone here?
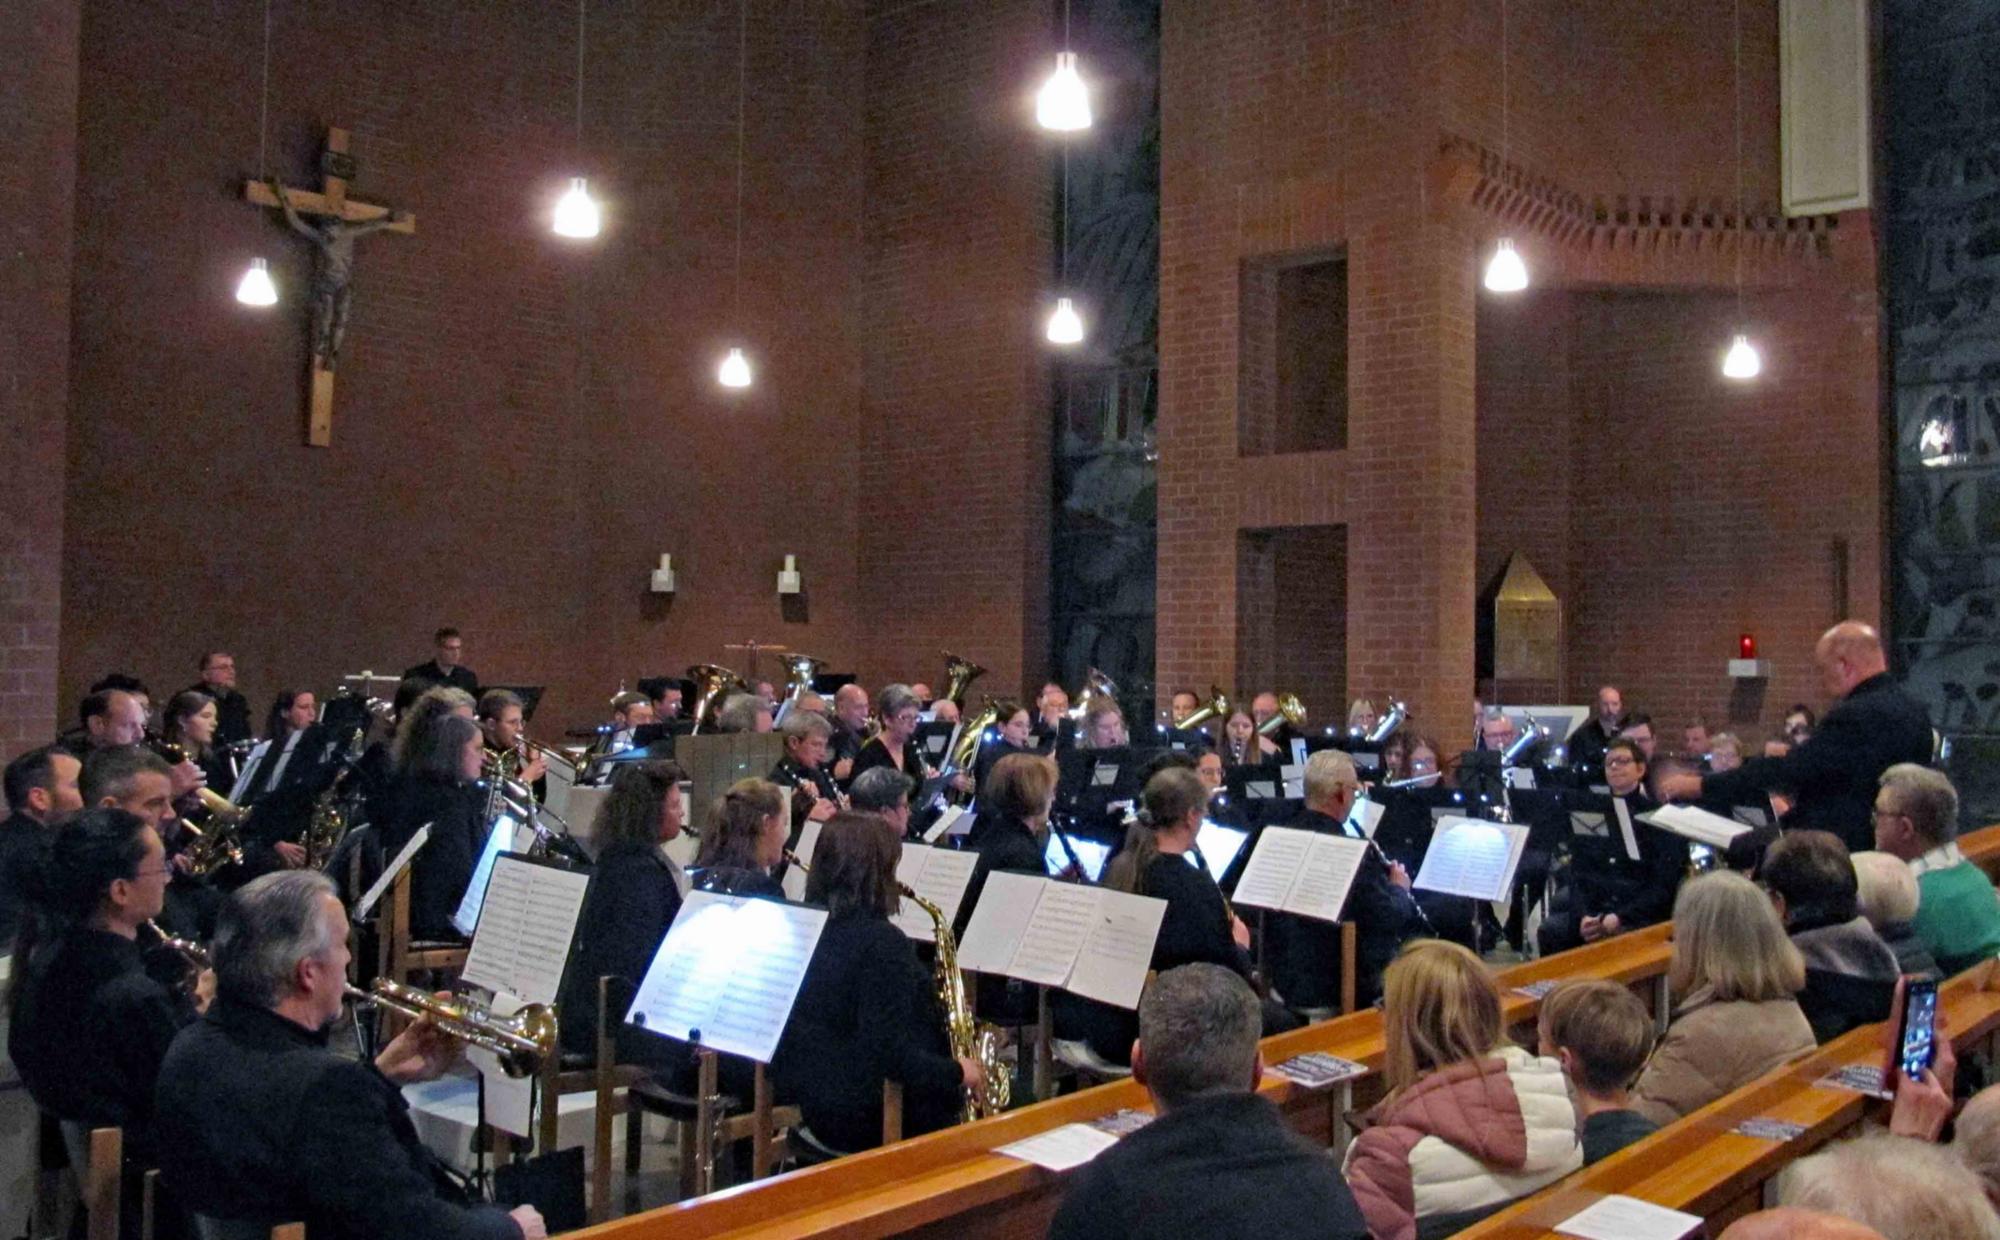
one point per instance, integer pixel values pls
(522, 1042)
(554, 757)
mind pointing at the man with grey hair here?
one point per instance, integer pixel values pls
(1306, 959)
(1916, 818)
(743, 712)
(260, 1123)
(1832, 775)
(803, 770)
(1219, 1161)
(1903, 1188)
(885, 792)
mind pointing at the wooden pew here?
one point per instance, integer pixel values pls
(951, 1181)
(1698, 1165)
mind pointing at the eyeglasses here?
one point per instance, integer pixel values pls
(1619, 759)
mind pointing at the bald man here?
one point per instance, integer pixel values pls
(850, 728)
(1832, 777)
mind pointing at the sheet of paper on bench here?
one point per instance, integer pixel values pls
(1473, 858)
(525, 928)
(1304, 872)
(1696, 824)
(1628, 1218)
(795, 875)
(729, 968)
(1059, 1149)
(939, 875)
(1089, 940)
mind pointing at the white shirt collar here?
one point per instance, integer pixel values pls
(1943, 857)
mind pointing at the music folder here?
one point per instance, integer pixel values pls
(397, 865)
(525, 926)
(728, 972)
(1304, 872)
(1474, 858)
(1216, 847)
(939, 875)
(1696, 824)
(1091, 941)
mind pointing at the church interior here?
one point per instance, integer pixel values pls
(1451, 357)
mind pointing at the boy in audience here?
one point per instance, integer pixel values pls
(1602, 1035)
(1219, 1162)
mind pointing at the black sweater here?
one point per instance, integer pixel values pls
(443, 867)
(632, 901)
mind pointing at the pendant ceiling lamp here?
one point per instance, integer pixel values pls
(1742, 362)
(734, 372)
(577, 216)
(255, 288)
(1062, 105)
(1065, 325)
(1505, 272)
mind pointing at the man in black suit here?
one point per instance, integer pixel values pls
(1219, 1161)
(1587, 744)
(260, 1123)
(1306, 968)
(1833, 776)
(42, 795)
(444, 667)
(232, 709)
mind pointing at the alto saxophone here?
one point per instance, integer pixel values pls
(968, 1039)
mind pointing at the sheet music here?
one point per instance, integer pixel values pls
(506, 835)
(1218, 846)
(510, 1101)
(1623, 813)
(1698, 825)
(1006, 906)
(1111, 966)
(956, 820)
(1321, 888)
(1367, 815)
(1473, 858)
(941, 876)
(728, 972)
(1274, 865)
(525, 928)
(1064, 916)
(795, 875)
(390, 871)
(1294, 777)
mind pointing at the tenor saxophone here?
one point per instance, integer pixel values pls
(968, 1039)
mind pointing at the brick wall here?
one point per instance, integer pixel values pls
(522, 424)
(954, 473)
(38, 49)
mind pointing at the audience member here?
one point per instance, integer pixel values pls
(1850, 972)
(1958, 914)
(1735, 977)
(1470, 1121)
(1976, 1140)
(1887, 897)
(1219, 1161)
(1792, 1223)
(1904, 1189)
(1601, 1034)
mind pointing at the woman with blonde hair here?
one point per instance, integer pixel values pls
(1735, 977)
(1471, 1121)
(744, 841)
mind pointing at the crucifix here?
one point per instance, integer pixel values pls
(754, 648)
(333, 222)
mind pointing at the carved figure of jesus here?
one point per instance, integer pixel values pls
(333, 270)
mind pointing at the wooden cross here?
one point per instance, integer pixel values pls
(334, 222)
(755, 648)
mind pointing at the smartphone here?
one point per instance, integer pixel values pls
(1916, 1041)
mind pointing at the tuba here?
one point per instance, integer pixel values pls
(968, 1039)
(1096, 687)
(711, 685)
(1387, 725)
(799, 672)
(1290, 710)
(971, 732)
(523, 1041)
(959, 673)
(1217, 707)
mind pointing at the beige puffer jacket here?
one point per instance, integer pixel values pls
(1713, 1048)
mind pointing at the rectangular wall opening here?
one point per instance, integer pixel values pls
(1292, 391)
(1291, 616)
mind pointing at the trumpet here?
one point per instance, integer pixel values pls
(192, 954)
(522, 1042)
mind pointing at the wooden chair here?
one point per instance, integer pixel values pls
(400, 959)
(104, 1160)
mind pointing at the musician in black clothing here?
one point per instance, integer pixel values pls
(42, 794)
(1833, 775)
(1610, 890)
(218, 680)
(1016, 736)
(437, 783)
(1306, 951)
(635, 892)
(89, 1025)
(260, 1123)
(444, 667)
(1587, 744)
(886, 794)
(744, 842)
(191, 722)
(850, 730)
(803, 770)
(138, 781)
(867, 1010)
(895, 745)
(1053, 728)
(1219, 1162)
(1241, 746)
(1015, 804)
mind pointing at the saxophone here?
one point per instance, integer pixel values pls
(328, 825)
(968, 1040)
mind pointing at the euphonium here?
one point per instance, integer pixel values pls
(968, 1039)
(1217, 707)
(970, 733)
(799, 672)
(522, 1041)
(1096, 686)
(711, 684)
(1387, 725)
(1290, 710)
(211, 847)
(959, 673)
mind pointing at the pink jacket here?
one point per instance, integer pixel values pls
(1472, 1135)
